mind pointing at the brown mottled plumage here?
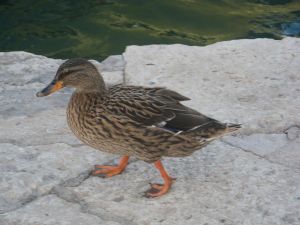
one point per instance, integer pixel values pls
(147, 123)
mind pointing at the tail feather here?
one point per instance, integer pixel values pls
(231, 127)
(211, 131)
(204, 134)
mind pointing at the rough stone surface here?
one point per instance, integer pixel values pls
(293, 133)
(248, 178)
(65, 213)
(113, 63)
(253, 82)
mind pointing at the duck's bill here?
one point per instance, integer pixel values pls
(52, 87)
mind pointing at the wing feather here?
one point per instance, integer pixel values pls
(155, 107)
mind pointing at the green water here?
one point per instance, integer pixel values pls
(98, 28)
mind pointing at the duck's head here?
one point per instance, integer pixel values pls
(77, 73)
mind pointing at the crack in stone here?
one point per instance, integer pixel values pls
(124, 69)
(72, 182)
(108, 216)
(24, 202)
(71, 197)
(260, 156)
(33, 197)
(22, 145)
(77, 181)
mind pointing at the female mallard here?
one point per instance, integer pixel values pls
(147, 123)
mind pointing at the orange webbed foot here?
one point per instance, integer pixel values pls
(106, 171)
(161, 186)
(109, 171)
(157, 190)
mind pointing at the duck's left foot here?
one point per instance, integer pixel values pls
(109, 171)
(106, 171)
(157, 190)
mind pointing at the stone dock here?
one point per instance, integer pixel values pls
(249, 178)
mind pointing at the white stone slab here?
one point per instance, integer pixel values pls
(50, 210)
(250, 179)
(253, 82)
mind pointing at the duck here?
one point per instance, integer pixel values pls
(148, 123)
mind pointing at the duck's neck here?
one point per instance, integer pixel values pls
(93, 86)
(80, 97)
(97, 90)
(81, 102)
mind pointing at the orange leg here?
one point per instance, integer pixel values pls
(160, 189)
(109, 171)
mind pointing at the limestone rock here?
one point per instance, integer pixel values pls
(253, 82)
(251, 177)
(50, 210)
(22, 74)
(293, 133)
(113, 63)
(30, 172)
(219, 185)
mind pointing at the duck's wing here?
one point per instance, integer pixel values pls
(158, 107)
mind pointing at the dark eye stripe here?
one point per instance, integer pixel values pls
(62, 74)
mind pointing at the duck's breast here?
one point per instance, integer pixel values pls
(83, 122)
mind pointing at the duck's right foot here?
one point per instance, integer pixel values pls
(109, 171)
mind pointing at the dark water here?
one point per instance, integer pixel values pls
(98, 28)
